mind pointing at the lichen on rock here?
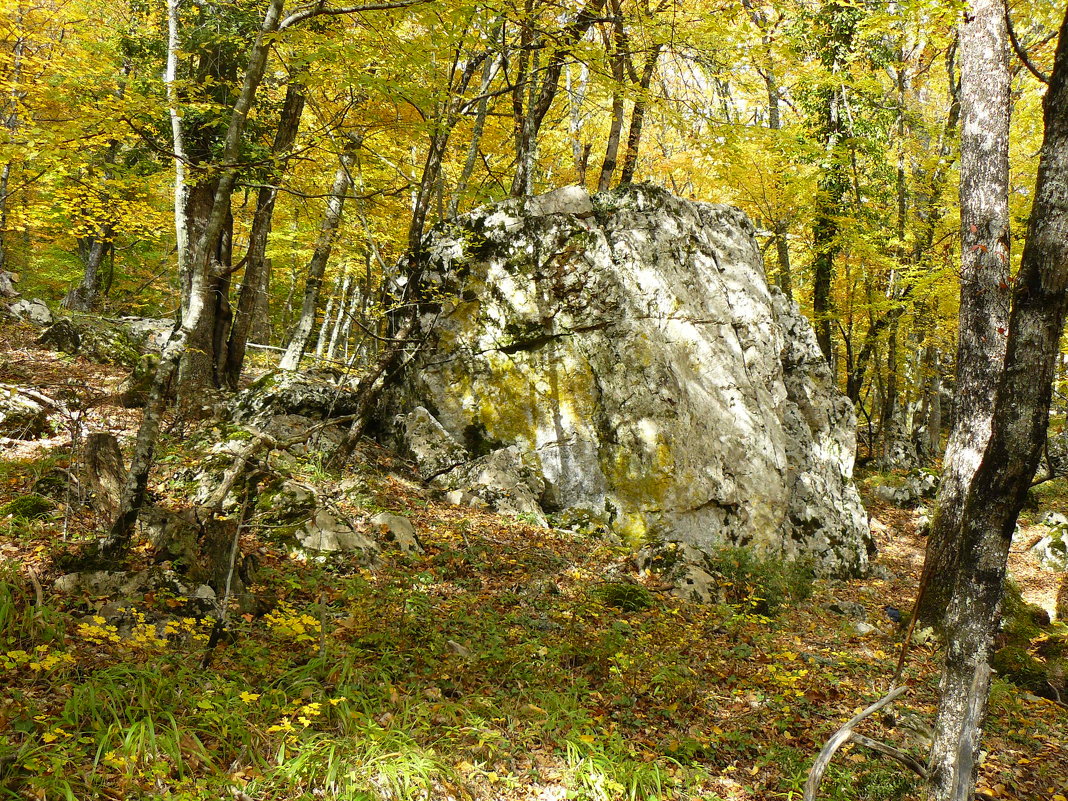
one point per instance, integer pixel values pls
(628, 348)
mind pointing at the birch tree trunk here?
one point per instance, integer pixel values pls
(117, 541)
(1017, 432)
(298, 340)
(984, 296)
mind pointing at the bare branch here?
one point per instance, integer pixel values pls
(1020, 52)
(320, 9)
(840, 738)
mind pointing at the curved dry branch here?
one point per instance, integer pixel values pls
(840, 738)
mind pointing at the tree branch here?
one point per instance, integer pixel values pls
(319, 9)
(1020, 52)
(840, 738)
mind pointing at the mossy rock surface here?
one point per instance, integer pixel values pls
(1017, 665)
(28, 507)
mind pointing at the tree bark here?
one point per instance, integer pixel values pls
(998, 486)
(252, 298)
(117, 541)
(984, 296)
(838, 20)
(298, 340)
(616, 59)
(637, 117)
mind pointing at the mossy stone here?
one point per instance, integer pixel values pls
(1021, 668)
(28, 507)
(624, 596)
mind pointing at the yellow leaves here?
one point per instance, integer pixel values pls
(54, 734)
(285, 622)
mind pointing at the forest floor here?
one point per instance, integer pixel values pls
(496, 665)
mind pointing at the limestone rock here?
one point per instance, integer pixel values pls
(92, 338)
(292, 393)
(628, 348)
(152, 334)
(61, 336)
(431, 447)
(31, 311)
(397, 531)
(8, 280)
(134, 390)
(683, 567)
(25, 414)
(326, 531)
(506, 480)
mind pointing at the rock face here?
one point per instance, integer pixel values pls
(628, 346)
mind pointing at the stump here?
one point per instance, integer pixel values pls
(104, 472)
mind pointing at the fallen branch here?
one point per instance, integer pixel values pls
(38, 593)
(840, 738)
(907, 760)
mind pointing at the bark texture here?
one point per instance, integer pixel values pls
(1008, 462)
(984, 288)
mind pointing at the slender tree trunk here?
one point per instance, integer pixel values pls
(637, 117)
(298, 340)
(825, 231)
(615, 128)
(5, 176)
(529, 121)
(320, 341)
(489, 69)
(339, 321)
(252, 298)
(117, 541)
(85, 296)
(984, 297)
(998, 486)
(580, 152)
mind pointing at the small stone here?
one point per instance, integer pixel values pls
(397, 531)
(863, 629)
(850, 609)
(31, 311)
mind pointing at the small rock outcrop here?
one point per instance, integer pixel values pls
(623, 355)
(26, 413)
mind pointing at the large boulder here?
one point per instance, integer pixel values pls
(629, 345)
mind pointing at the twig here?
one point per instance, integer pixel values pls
(840, 738)
(907, 760)
(37, 591)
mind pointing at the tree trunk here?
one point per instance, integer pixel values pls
(252, 298)
(489, 69)
(998, 486)
(829, 194)
(984, 297)
(298, 340)
(637, 117)
(85, 296)
(529, 120)
(118, 539)
(580, 153)
(616, 58)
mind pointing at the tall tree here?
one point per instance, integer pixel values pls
(997, 489)
(984, 295)
(837, 25)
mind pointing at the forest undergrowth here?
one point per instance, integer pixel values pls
(506, 662)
